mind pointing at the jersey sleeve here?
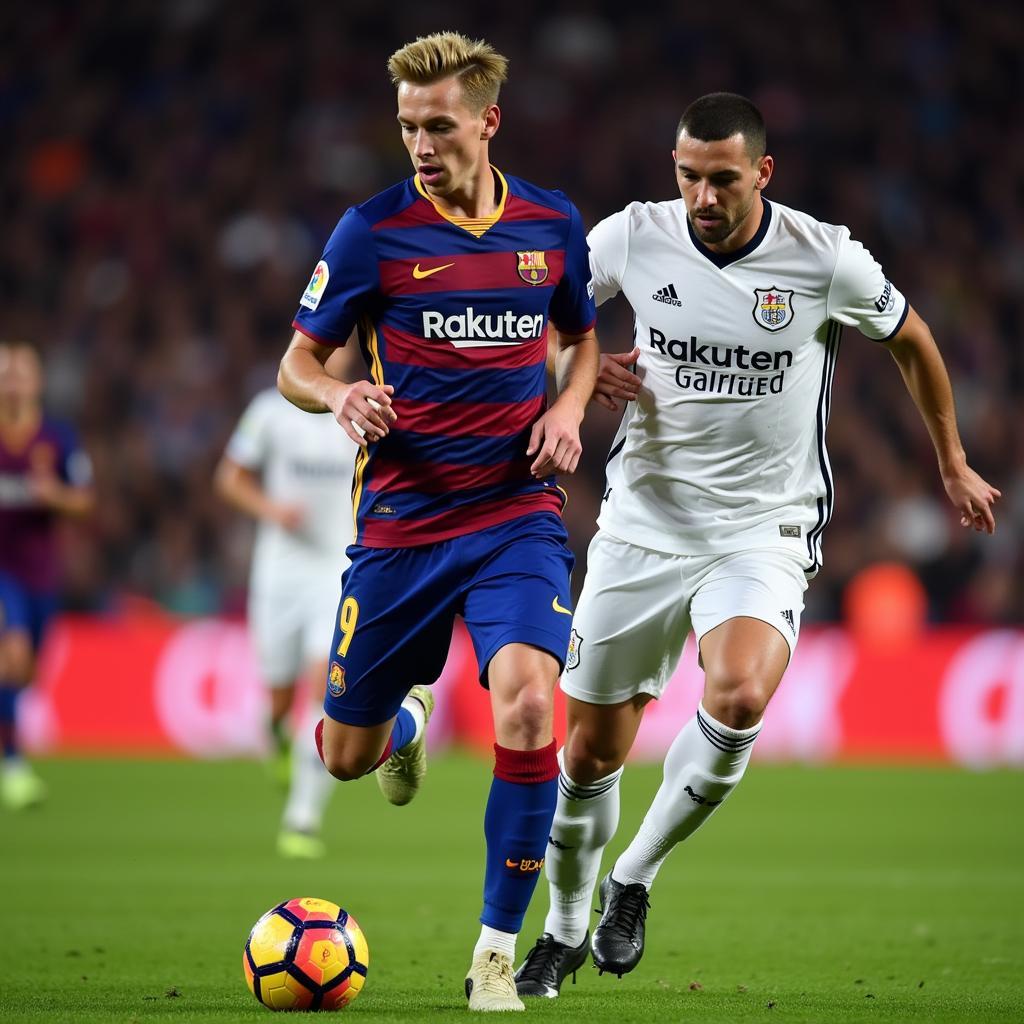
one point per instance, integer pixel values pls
(249, 445)
(75, 466)
(861, 296)
(344, 282)
(609, 244)
(572, 306)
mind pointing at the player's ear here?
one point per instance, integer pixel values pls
(492, 118)
(764, 172)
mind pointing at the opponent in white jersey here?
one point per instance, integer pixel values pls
(723, 449)
(293, 473)
(717, 495)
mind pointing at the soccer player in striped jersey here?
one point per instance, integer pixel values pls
(44, 475)
(717, 495)
(15, 672)
(451, 277)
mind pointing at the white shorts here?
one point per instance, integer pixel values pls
(638, 605)
(291, 630)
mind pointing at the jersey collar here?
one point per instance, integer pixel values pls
(476, 226)
(723, 259)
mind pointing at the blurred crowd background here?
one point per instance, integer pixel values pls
(171, 171)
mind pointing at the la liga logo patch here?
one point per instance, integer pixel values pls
(315, 289)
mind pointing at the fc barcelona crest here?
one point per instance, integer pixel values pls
(336, 680)
(532, 268)
(773, 308)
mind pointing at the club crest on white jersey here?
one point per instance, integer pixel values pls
(572, 657)
(773, 308)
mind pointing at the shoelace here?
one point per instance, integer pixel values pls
(627, 909)
(497, 975)
(397, 762)
(394, 762)
(540, 964)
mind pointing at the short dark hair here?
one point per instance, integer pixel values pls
(719, 115)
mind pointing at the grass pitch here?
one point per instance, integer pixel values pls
(815, 895)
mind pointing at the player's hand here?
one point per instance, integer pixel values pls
(363, 410)
(555, 439)
(973, 498)
(615, 380)
(288, 517)
(46, 488)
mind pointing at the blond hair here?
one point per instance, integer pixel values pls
(479, 68)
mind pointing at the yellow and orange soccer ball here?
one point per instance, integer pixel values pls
(306, 954)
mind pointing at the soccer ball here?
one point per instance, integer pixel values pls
(306, 954)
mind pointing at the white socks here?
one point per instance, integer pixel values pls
(491, 938)
(702, 767)
(311, 783)
(585, 820)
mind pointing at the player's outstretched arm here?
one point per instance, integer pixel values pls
(240, 487)
(555, 438)
(71, 500)
(925, 376)
(362, 408)
(615, 380)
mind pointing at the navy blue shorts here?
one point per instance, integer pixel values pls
(26, 609)
(510, 583)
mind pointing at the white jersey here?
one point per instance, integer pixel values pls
(724, 449)
(307, 460)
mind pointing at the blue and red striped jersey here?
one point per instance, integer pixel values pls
(30, 548)
(455, 318)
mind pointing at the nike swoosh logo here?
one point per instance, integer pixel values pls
(558, 607)
(511, 863)
(420, 274)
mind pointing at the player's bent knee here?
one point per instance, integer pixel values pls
(528, 715)
(346, 768)
(344, 761)
(588, 758)
(738, 702)
(534, 707)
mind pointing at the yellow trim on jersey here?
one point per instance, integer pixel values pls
(363, 456)
(565, 495)
(376, 369)
(357, 488)
(476, 226)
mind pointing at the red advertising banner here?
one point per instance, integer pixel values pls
(157, 685)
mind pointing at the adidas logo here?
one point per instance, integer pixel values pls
(667, 295)
(788, 616)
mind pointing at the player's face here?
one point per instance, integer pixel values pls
(21, 376)
(719, 183)
(447, 141)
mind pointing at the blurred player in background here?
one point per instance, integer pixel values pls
(44, 474)
(292, 472)
(15, 662)
(718, 491)
(452, 276)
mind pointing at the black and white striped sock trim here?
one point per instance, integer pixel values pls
(576, 791)
(729, 740)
